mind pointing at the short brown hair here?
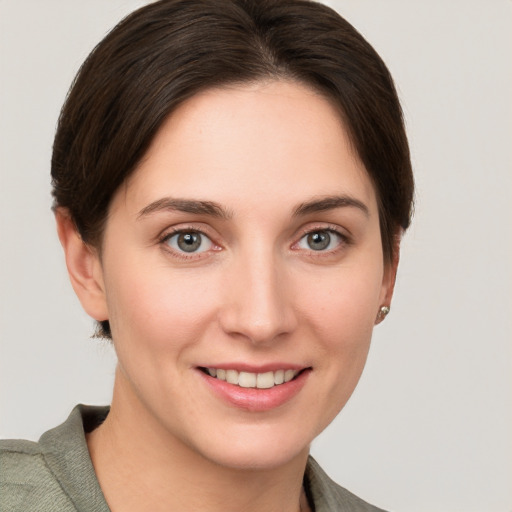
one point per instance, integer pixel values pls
(170, 50)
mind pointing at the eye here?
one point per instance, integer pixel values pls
(320, 240)
(189, 242)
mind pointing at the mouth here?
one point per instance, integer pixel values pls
(265, 380)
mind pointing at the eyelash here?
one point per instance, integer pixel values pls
(164, 239)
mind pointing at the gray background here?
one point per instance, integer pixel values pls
(428, 428)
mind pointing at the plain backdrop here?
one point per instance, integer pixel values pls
(429, 426)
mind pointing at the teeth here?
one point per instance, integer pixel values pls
(265, 380)
(253, 380)
(279, 377)
(288, 375)
(232, 376)
(247, 380)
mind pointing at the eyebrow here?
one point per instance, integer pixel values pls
(213, 209)
(193, 206)
(330, 203)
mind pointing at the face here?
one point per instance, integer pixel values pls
(245, 251)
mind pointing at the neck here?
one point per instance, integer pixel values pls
(142, 467)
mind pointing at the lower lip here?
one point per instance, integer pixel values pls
(254, 399)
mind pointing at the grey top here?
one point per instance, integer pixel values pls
(56, 474)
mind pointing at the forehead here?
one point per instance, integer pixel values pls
(275, 140)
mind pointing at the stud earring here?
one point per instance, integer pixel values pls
(384, 310)
(383, 313)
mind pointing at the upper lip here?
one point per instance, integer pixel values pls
(251, 368)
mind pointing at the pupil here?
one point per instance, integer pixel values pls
(319, 240)
(189, 242)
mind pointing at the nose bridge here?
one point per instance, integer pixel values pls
(257, 305)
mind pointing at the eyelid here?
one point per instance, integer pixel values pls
(320, 226)
(201, 228)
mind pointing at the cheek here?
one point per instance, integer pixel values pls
(340, 311)
(343, 303)
(164, 308)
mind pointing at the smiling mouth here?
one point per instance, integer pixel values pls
(264, 380)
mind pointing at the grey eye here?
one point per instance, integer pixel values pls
(320, 240)
(190, 241)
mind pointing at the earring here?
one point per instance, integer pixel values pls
(383, 313)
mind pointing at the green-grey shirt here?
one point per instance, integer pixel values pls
(56, 474)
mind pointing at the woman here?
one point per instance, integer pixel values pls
(231, 181)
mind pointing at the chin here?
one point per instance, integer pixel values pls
(254, 450)
(244, 455)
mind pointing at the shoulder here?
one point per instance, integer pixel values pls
(21, 462)
(26, 483)
(56, 473)
(328, 496)
(18, 459)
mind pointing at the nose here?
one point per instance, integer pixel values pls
(258, 301)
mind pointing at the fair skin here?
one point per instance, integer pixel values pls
(248, 239)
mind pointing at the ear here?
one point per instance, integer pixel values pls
(84, 267)
(389, 279)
